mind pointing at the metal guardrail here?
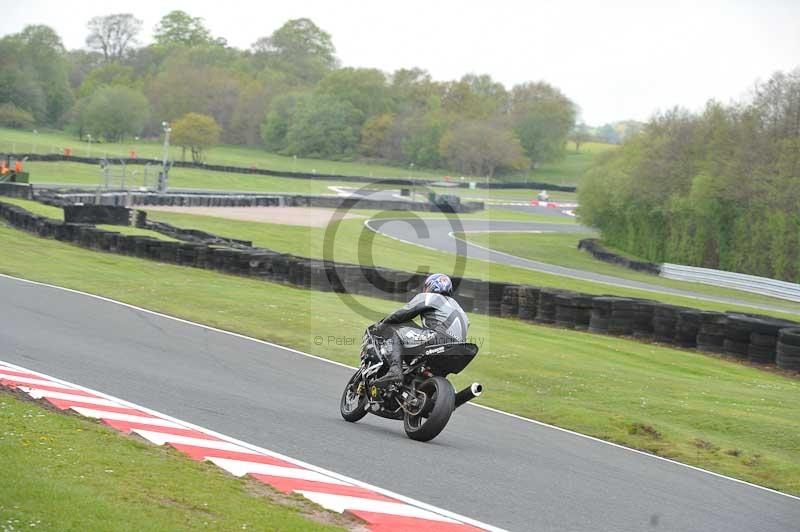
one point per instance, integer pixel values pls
(739, 281)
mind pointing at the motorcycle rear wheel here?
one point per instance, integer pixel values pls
(427, 425)
(352, 406)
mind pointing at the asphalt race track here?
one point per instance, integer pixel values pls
(496, 468)
(435, 234)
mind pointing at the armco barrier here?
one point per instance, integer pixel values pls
(738, 281)
(757, 339)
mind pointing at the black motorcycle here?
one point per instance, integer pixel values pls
(424, 400)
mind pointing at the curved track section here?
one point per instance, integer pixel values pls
(497, 468)
(437, 234)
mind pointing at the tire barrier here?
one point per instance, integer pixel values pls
(186, 199)
(753, 338)
(643, 318)
(592, 245)
(788, 349)
(711, 334)
(97, 214)
(546, 310)
(16, 190)
(509, 305)
(528, 303)
(687, 328)
(665, 323)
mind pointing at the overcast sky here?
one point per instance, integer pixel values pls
(616, 59)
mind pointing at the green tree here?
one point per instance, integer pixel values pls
(114, 113)
(375, 136)
(275, 129)
(113, 35)
(299, 48)
(542, 118)
(323, 127)
(106, 75)
(365, 88)
(196, 132)
(478, 148)
(178, 28)
(14, 117)
(34, 73)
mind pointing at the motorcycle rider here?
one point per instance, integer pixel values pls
(443, 321)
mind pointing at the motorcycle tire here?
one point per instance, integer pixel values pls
(349, 411)
(428, 424)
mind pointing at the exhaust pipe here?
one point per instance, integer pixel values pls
(467, 394)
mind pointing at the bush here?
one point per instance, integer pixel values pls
(14, 117)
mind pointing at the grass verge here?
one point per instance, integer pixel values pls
(62, 472)
(710, 412)
(355, 243)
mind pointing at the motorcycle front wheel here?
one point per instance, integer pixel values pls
(353, 406)
(435, 414)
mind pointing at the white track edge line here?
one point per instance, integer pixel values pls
(368, 486)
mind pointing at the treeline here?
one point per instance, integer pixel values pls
(719, 189)
(287, 93)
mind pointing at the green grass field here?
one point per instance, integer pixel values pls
(702, 410)
(352, 240)
(565, 171)
(62, 472)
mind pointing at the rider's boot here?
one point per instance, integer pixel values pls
(395, 372)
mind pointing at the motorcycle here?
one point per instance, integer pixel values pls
(424, 400)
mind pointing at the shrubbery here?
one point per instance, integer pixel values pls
(14, 117)
(720, 189)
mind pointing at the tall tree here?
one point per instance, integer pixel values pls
(480, 149)
(179, 28)
(113, 35)
(324, 127)
(300, 48)
(364, 88)
(34, 73)
(114, 113)
(542, 118)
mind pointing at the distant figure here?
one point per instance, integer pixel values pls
(17, 166)
(543, 196)
(3, 168)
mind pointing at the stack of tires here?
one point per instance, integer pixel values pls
(495, 297)
(687, 328)
(788, 349)
(612, 315)
(711, 335)
(764, 340)
(583, 310)
(665, 323)
(738, 329)
(566, 310)
(528, 303)
(509, 305)
(546, 311)
(643, 318)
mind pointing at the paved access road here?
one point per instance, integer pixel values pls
(492, 467)
(437, 234)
